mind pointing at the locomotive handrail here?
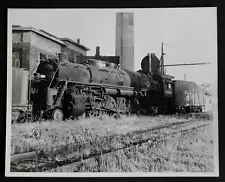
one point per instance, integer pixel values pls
(53, 76)
(29, 92)
(101, 85)
(32, 70)
(60, 95)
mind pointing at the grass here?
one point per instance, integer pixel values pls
(101, 134)
(47, 134)
(183, 152)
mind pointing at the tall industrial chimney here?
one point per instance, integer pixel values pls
(125, 40)
(97, 51)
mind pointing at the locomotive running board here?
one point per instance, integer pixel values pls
(102, 85)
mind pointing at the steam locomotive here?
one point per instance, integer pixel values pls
(61, 89)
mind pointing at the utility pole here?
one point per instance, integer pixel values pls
(162, 61)
(162, 58)
(121, 48)
(162, 65)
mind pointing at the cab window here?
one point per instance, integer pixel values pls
(168, 85)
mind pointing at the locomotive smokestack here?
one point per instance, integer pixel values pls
(125, 40)
(97, 51)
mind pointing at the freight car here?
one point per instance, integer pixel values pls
(188, 97)
(61, 89)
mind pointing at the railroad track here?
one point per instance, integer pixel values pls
(38, 160)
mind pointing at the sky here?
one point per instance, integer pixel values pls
(189, 34)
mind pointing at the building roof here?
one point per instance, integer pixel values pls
(49, 36)
(40, 32)
(75, 43)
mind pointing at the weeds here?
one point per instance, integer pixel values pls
(164, 152)
(177, 153)
(33, 136)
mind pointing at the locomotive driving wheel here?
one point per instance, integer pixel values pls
(57, 115)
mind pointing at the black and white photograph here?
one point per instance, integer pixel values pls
(112, 92)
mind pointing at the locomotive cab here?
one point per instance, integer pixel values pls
(167, 85)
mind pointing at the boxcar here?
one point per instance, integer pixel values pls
(188, 96)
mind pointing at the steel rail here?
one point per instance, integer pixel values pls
(23, 156)
(31, 155)
(59, 164)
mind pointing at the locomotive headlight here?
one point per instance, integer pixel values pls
(39, 76)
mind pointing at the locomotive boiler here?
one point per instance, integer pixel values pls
(64, 89)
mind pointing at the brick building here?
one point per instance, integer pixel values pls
(29, 42)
